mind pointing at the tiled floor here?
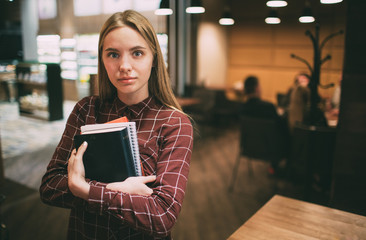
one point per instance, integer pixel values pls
(21, 135)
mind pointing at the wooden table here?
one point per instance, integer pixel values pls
(289, 219)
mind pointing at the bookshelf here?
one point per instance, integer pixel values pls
(40, 92)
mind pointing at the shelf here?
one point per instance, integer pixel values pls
(42, 95)
(43, 115)
(31, 84)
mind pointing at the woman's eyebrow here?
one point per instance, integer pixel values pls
(137, 47)
(131, 49)
(111, 50)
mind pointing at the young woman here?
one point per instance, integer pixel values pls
(133, 82)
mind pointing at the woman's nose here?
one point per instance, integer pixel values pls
(125, 65)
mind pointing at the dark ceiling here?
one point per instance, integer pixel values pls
(9, 11)
(243, 10)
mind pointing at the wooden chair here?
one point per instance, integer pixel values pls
(261, 139)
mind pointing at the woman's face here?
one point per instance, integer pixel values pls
(303, 80)
(128, 61)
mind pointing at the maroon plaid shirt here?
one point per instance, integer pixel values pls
(165, 139)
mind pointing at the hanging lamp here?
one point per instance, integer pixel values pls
(273, 3)
(164, 8)
(226, 18)
(195, 7)
(272, 17)
(330, 1)
(307, 14)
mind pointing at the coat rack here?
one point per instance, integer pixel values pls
(318, 61)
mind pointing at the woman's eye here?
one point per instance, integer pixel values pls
(137, 53)
(113, 55)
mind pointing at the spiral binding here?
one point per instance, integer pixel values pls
(135, 147)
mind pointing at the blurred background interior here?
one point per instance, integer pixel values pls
(48, 61)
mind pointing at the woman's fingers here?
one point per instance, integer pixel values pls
(76, 166)
(134, 185)
(82, 149)
(76, 173)
(141, 179)
(147, 179)
(78, 154)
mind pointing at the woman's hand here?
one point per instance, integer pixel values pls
(133, 185)
(76, 173)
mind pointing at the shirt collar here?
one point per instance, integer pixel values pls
(133, 111)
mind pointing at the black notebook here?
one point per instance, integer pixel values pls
(111, 153)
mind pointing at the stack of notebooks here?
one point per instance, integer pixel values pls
(112, 154)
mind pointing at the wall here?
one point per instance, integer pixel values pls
(211, 47)
(211, 55)
(265, 50)
(253, 47)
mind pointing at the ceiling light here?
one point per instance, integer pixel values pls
(330, 1)
(226, 21)
(307, 15)
(273, 18)
(196, 7)
(164, 8)
(226, 18)
(306, 19)
(273, 3)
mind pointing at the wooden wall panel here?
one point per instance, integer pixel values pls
(292, 35)
(335, 64)
(265, 51)
(282, 57)
(251, 56)
(89, 24)
(250, 34)
(48, 27)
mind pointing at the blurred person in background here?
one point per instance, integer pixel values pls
(299, 100)
(336, 98)
(255, 107)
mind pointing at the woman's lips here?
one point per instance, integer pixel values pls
(126, 79)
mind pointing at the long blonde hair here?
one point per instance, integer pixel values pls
(159, 82)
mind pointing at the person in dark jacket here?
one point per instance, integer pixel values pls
(255, 107)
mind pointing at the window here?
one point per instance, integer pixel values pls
(87, 7)
(47, 9)
(96, 7)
